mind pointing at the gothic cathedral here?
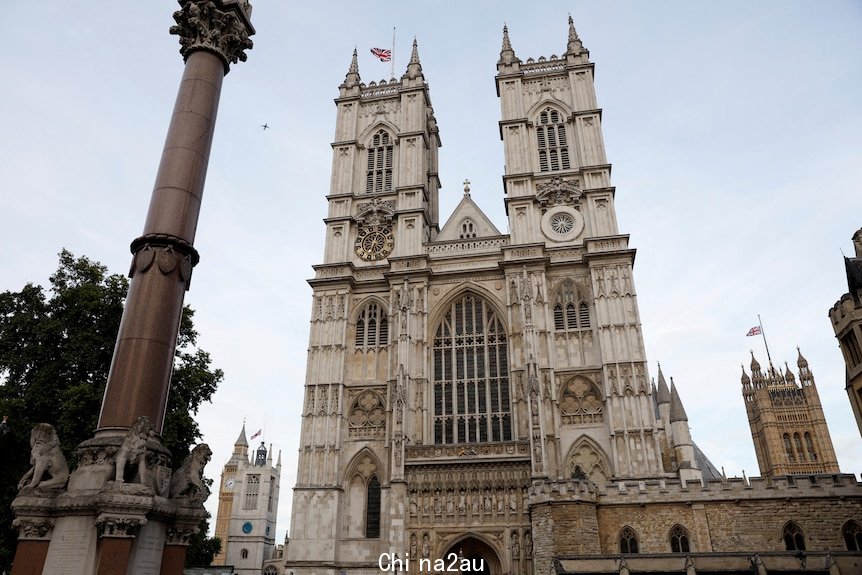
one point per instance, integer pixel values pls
(486, 396)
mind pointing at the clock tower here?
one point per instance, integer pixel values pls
(248, 505)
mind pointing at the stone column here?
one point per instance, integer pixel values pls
(213, 34)
(34, 534)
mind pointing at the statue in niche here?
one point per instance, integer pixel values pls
(49, 468)
(414, 547)
(528, 544)
(426, 546)
(133, 451)
(516, 546)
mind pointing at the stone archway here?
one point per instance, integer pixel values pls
(480, 555)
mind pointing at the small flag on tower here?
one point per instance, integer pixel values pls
(753, 331)
(256, 435)
(382, 54)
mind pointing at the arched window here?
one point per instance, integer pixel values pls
(252, 489)
(679, 539)
(571, 312)
(244, 554)
(468, 230)
(809, 445)
(471, 375)
(270, 570)
(552, 143)
(788, 448)
(852, 533)
(628, 540)
(794, 540)
(372, 509)
(798, 441)
(378, 177)
(581, 402)
(372, 328)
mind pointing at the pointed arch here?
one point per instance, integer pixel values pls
(371, 325)
(628, 539)
(470, 369)
(552, 140)
(586, 460)
(367, 414)
(851, 531)
(438, 311)
(467, 229)
(380, 160)
(362, 485)
(367, 134)
(794, 538)
(570, 306)
(680, 541)
(561, 106)
(581, 401)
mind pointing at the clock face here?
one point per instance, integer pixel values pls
(374, 243)
(230, 484)
(246, 527)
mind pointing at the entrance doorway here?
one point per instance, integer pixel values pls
(483, 559)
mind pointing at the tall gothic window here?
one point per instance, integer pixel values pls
(788, 448)
(372, 509)
(679, 539)
(798, 441)
(551, 138)
(794, 540)
(809, 445)
(251, 491)
(471, 375)
(378, 176)
(571, 312)
(628, 540)
(852, 534)
(372, 327)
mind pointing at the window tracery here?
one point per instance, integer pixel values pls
(372, 509)
(551, 139)
(581, 402)
(468, 230)
(372, 328)
(586, 463)
(794, 540)
(571, 311)
(852, 533)
(378, 175)
(367, 415)
(628, 540)
(471, 375)
(270, 570)
(679, 540)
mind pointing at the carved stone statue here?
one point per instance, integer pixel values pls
(134, 451)
(50, 470)
(187, 481)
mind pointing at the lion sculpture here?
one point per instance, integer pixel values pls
(50, 470)
(187, 481)
(133, 451)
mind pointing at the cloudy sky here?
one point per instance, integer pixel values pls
(733, 129)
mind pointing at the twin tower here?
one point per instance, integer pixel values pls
(487, 395)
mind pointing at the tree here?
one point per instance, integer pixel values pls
(55, 353)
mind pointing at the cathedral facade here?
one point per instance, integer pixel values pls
(480, 396)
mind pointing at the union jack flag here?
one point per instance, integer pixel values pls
(753, 331)
(382, 54)
(256, 435)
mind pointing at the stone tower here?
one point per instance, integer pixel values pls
(787, 423)
(248, 505)
(846, 316)
(457, 376)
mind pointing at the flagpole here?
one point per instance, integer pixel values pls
(763, 333)
(392, 71)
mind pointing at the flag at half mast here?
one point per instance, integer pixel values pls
(754, 331)
(382, 54)
(256, 435)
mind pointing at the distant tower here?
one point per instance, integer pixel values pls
(248, 505)
(787, 423)
(846, 316)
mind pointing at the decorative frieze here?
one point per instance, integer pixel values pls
(416, 453)
(33, 527)
(110, 525)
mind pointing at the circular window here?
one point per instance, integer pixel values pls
(247, 527)
(562, 224)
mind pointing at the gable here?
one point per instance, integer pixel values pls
(469, 221)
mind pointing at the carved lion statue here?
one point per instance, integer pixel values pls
(133, 451)
(187, 481)
(50, 470)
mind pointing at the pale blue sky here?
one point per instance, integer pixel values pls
(733, 130)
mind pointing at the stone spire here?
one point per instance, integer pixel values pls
(746, 381)
(414, 68)
(663, 395)
(352, 78)
(677, 411)
(575, 51)
(788, 375)
(805, 375)
(241, 440)
(507, 54)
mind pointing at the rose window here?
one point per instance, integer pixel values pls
(562, 223)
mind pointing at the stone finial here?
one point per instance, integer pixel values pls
(788, 375)
(133, 451)
(414, 67)
(801, 362)
(662, 392)
(755, 365)
(507, 54)
(745, 379)
(677, 411)
(187, 482)
(467, 188)
(216, 26)
(49, 468)
(352, 78)
(574, 45)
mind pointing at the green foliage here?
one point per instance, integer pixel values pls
(55, 353)
(201, 548)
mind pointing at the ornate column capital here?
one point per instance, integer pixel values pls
(180, 534)
(218, 26)
(34, 527)
(110, 525)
